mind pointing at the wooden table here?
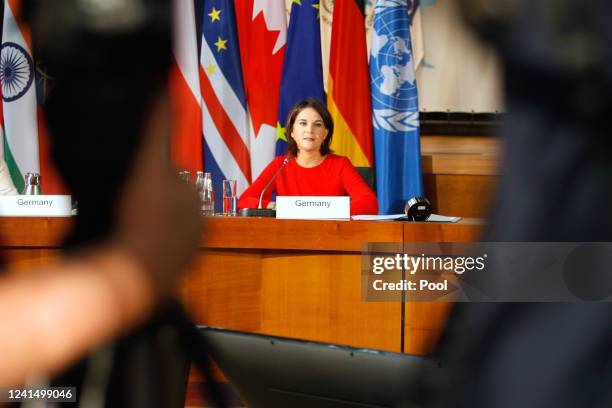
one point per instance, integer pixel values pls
(301, 279)
(291, 278)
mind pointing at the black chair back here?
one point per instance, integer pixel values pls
(368, 174)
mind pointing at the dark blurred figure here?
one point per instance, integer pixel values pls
(556, 186)
(109, 61)
(138, 224)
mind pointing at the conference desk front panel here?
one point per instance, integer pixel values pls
(289, 278)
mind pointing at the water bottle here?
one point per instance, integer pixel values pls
(206, 193)
(32, 184)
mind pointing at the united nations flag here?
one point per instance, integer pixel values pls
(395, 109)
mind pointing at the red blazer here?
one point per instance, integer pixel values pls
(335, 176)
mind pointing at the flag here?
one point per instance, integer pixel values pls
(348, 98)
(17, 71)
(26, 142)
(1, 130)
(416, 32)
(184, 86)
(224, 109)
(395, 109)
(262, 27)
(302, 72)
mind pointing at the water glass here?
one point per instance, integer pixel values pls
(230, 199)
(206, 194)
(185, 175)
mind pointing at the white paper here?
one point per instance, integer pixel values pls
(377, 217)
(391, 217)
(442, 218)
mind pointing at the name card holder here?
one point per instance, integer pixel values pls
(313, 207)
(35, 206)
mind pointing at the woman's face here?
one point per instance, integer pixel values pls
(309, 131)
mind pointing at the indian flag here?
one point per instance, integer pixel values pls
(20, 139)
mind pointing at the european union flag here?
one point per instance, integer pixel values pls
(395, 108)
(302, 69)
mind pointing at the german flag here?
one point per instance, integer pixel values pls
(348, 97)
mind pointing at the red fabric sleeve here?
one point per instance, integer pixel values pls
(250, 197)
(363, 200)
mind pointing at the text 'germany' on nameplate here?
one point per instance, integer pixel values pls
(313, 207)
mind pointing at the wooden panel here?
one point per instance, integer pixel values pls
(460, 155)
(460, 173)
(467, 145)
(424, 321)
(465, 155)
(460, 195)
(30, 242)
(463, 164)
(306, 295)
(270, 233)
(467, 230)
(224, 289)
(33, 231)
(318, 297)
(27, 259)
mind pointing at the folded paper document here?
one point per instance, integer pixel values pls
(393, 217)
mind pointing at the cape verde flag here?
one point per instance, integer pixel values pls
(302, 69)
(395, 108)
(224, 115)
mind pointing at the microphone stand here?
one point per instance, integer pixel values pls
(259, 211)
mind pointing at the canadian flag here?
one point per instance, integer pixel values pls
(262, 32)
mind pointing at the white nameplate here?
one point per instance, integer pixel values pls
(313, 207)
(35, 206)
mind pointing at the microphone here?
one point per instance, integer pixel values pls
(259, 211)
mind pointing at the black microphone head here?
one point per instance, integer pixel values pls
(418, 209)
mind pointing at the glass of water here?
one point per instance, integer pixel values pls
(206, 193)
(185, 175)
(230, 199)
